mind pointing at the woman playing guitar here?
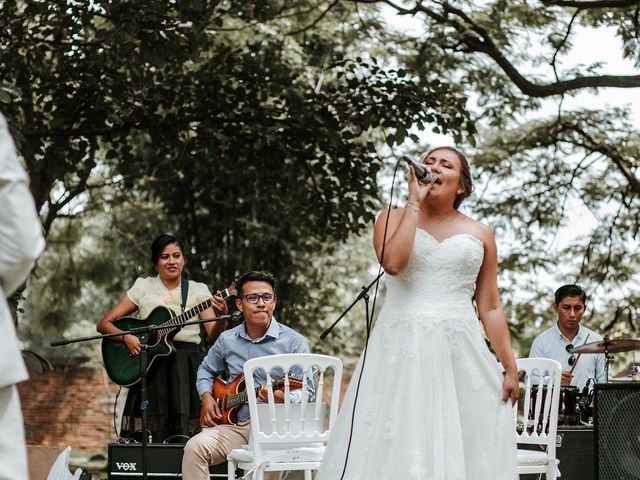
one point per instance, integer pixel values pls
(173, 355)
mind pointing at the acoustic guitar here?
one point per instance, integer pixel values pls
(124, 369)
(230, 396)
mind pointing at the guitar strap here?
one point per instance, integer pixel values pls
(184, 287)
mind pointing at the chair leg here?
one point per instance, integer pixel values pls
(258, 473)
(231, 470)
(307, 475)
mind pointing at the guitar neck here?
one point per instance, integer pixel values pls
(193, 311)
(237, 399)
(241, 398)
(188, 314)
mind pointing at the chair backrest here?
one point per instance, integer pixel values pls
(295, 419)
(539, 402)
(288, 424)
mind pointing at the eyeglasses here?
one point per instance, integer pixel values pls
(267, 298)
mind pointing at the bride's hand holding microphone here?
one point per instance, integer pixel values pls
(395, 231)
(420, 181)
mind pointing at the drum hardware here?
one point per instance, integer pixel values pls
(575, 406)
(568, 405)
(607, 347)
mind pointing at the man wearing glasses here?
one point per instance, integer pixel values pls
(558, 341)
(259, 335)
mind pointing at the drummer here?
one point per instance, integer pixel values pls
(579, 370)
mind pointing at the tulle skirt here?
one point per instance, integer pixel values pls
(428, 407)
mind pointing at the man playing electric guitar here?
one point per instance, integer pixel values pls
(259, 335)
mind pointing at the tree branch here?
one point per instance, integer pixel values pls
(71, 193)
(593, 4)
(316, 20)
(106, 130)
(618, 160)
(477, 39)
(564, 40)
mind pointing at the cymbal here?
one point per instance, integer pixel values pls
(612, 346)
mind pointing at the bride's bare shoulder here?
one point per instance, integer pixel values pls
(478, 229)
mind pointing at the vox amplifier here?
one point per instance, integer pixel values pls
(164, 462)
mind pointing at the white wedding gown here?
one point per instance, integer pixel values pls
(429, 403)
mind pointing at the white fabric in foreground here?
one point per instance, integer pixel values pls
(60, 468)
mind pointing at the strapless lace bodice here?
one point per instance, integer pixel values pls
(438, 283)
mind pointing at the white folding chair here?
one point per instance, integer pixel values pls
(539, 421)
(289, 436)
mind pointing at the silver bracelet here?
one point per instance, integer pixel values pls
(413, 206)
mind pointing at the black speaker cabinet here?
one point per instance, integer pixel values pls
(574, 449)
(617, 426)
(164, 462)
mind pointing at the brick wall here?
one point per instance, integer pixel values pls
(73, 405)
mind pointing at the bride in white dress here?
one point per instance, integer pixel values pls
(433, 403)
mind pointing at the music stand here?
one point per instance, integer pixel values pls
(143, 335)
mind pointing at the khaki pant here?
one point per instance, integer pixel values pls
(210, 447)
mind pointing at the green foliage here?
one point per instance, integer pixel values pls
(257, 131)
(245, 129)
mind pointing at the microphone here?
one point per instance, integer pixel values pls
(422, 174)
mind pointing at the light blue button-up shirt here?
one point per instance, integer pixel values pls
(553, 344)
(234, 347)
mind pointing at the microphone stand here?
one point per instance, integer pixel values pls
(364, 294)
(143, 335)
